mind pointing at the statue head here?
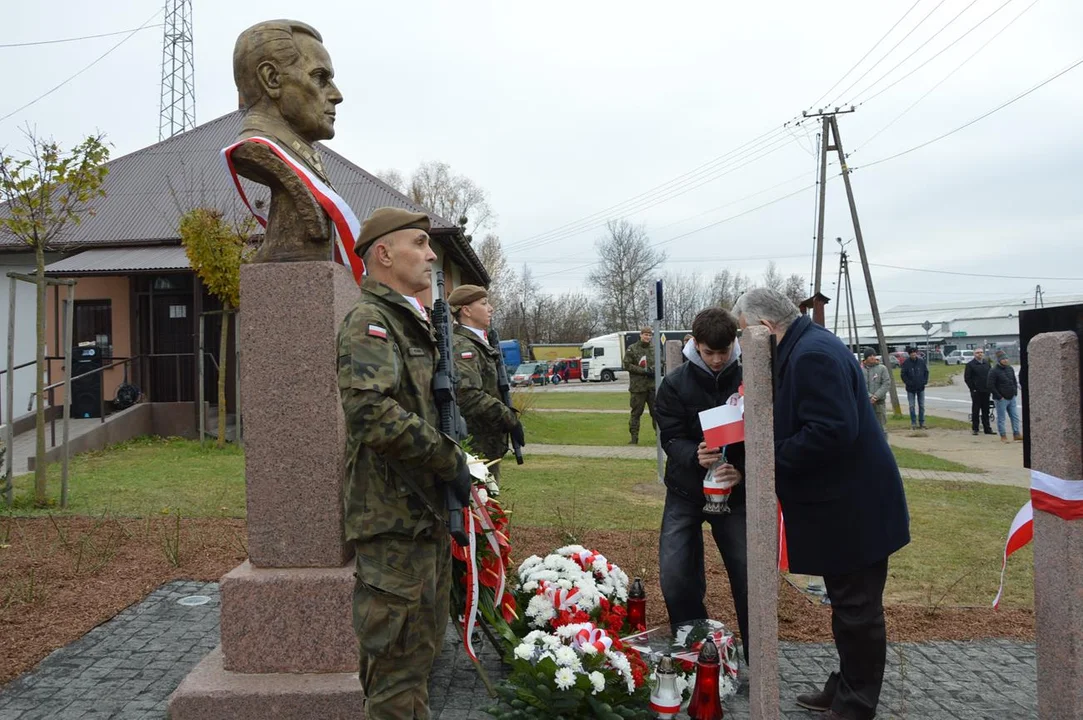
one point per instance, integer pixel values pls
(283, 70)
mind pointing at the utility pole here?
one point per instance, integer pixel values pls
(833, 141)
(826, 114)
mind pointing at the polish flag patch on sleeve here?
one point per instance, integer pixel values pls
(467, 355)
(378, 332)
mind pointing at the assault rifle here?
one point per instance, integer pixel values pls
(444, 382)
(504, 387)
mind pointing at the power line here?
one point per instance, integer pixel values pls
(685, 260)
(979, 275)
(704, 227)
(76, 39)
(92, 64)
(876, 45)
(918, 49)
(1003, 105)
(945, 78)
(885, 56)
(746, 158)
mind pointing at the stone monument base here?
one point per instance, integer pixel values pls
(210, 692)
(288, 620)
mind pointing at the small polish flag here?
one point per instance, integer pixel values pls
(1021, 533)
(377, 331)
(723, 425)
(468, 356)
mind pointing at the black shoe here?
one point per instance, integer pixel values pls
(974, 432)
(821, 700)
(922, 427)
(989, 432)
(634, 441)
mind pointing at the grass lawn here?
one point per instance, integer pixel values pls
(915, 460)
(940, 375)
(147, 476)
(554, 428)
(958, 529)
(902, 422)
(576, 400)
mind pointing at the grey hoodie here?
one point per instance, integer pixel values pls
(692, 354)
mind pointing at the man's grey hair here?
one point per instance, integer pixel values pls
(764, 304)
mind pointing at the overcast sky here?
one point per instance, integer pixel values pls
(562, 110)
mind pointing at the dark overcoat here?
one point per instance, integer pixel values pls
(841, 493)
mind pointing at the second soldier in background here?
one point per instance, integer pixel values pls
(488, 419)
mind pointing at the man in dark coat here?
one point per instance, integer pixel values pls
(841, 493)
(1005, 389)
(915, 376)
(710, 377)
(976, 377)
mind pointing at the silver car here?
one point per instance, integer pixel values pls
(958, 357)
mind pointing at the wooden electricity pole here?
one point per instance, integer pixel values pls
(832, 140)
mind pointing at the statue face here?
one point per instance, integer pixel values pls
(308, 94)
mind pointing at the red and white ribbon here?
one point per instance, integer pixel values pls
(562, 599)
(595, 638)
(1063, 498)
(471, 618)
(347, 227)
(783, 551)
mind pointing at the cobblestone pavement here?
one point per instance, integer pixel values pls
(126, 669)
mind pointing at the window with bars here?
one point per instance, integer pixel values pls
(93, 323)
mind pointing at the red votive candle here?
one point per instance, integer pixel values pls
(637, 605)
(705, 703)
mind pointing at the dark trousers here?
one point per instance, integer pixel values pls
(857, 622)
(979, 406)
(681, 562)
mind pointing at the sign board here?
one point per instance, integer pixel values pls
(927, 326)
(659, 305)
(1036, 322)
(958, 333)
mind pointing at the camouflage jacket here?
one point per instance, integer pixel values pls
(640, 379)
(386, 358)
(487, 417)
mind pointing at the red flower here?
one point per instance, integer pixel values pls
(507, 607)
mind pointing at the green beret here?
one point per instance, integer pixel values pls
(464, 295)
(386, 220)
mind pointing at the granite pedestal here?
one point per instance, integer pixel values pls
(288, 649)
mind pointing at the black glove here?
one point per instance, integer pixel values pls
(463, 480)
(517, 434)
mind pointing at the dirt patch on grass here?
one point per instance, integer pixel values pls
(60, 579)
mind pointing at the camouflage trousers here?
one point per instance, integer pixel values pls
(400, 613)
(638, 400)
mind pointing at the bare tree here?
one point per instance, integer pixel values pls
(501, 275)
(434, 185)
(685, 295)
(772, 278)
(626, 261)
(727, 287)
(795, 289)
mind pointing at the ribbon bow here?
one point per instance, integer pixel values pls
(595, 638)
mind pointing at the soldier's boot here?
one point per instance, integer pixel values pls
(634, 440)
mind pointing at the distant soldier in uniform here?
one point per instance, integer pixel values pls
(398, 465)
(639, 362)
(488, 419)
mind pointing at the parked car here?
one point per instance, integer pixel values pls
(958, 357)
(527, 374)
(566, 369)
(897, 358)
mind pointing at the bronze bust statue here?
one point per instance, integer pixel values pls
(285, 80)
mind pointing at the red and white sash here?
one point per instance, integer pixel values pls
(1063, 498)
(347, 227)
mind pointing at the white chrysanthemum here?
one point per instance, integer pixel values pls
(565, 678)
(529, 563)
(597, 681)
(600, 565)
(572, 629)
(564, 583)
(534, 636)
(682, 683)
(565, 655)
(530, 586)
(569, 550)
(540, 610)
(542, 574)
(552, 642)
(524, 651)
(483, 495)
(588, 649)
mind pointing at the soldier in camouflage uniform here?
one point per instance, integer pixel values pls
(639, 362)
(488, 419)
(398, 465)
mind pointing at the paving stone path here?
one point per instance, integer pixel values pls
(127, 668)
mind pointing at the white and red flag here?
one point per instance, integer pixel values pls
(724, 425)
(1063, 498)
(347, 226)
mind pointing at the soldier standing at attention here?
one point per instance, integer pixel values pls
(488, 419)
(639, 362)
(397, 465)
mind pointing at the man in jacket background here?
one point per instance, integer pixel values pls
(878, 382)
(841, 494)
(976, 377)
(639, 362)
(710, 377)
(1005, 389)
(915, 376)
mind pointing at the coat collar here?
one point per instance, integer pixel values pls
(789, 341)
(469, 334)
(390, 297)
